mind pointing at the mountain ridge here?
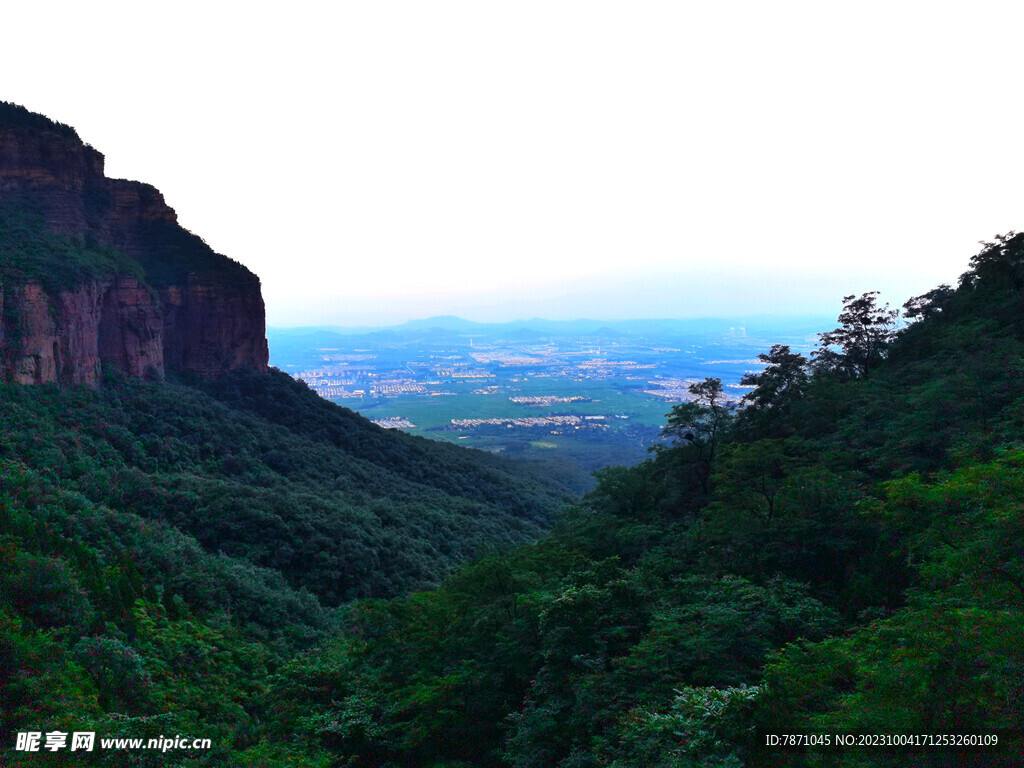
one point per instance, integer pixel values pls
(97, 271)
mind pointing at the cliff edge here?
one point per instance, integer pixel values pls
(97, 271)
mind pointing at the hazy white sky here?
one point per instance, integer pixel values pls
(377, 161)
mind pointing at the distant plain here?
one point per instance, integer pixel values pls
(614, 381)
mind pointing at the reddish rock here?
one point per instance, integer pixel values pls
(131, 330)
(66, 338)
(198, 311)
(78, 316)
(208, 326)
(33, 339)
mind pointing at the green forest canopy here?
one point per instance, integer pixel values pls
(840, 555)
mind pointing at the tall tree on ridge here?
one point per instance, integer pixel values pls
(863, 337)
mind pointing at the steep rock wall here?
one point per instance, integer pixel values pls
(130, 333)
(198, 311)
(209, 328)
(68, 337)
(30, 331)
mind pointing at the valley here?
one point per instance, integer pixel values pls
(588, 393)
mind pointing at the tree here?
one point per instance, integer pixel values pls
(929, 304)
(998, 264)
(700, 424)
(783, 381)
(863, 338)
(701, 420)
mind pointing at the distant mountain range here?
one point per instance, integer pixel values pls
(538, 327)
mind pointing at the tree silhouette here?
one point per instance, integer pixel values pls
(862, 337)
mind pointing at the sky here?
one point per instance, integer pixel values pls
(375, 162)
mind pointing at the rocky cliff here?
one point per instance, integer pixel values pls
(97, 271)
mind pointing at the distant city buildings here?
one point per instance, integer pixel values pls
(525, 421)
(394, 422)
(633, 375)
(548, 400)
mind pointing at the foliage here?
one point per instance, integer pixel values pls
(163, 552)
(332, 503)
(781, 568)
(703, 727)
(768, 408)
(17, 117)
(171, 253)
(239, 558)
(28, 252)
(702, 423)
(951, 660)
(864, 334)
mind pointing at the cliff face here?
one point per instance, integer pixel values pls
(66, 338)
(194, 311)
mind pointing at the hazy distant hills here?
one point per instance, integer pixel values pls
(581, 326)
(766, 326)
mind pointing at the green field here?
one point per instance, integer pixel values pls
(432, 412)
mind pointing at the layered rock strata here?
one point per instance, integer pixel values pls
(196, 311)
(67, 338)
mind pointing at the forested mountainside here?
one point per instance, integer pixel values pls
(224, 555)
(842, 556)
(164, 548)
(176, 520)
